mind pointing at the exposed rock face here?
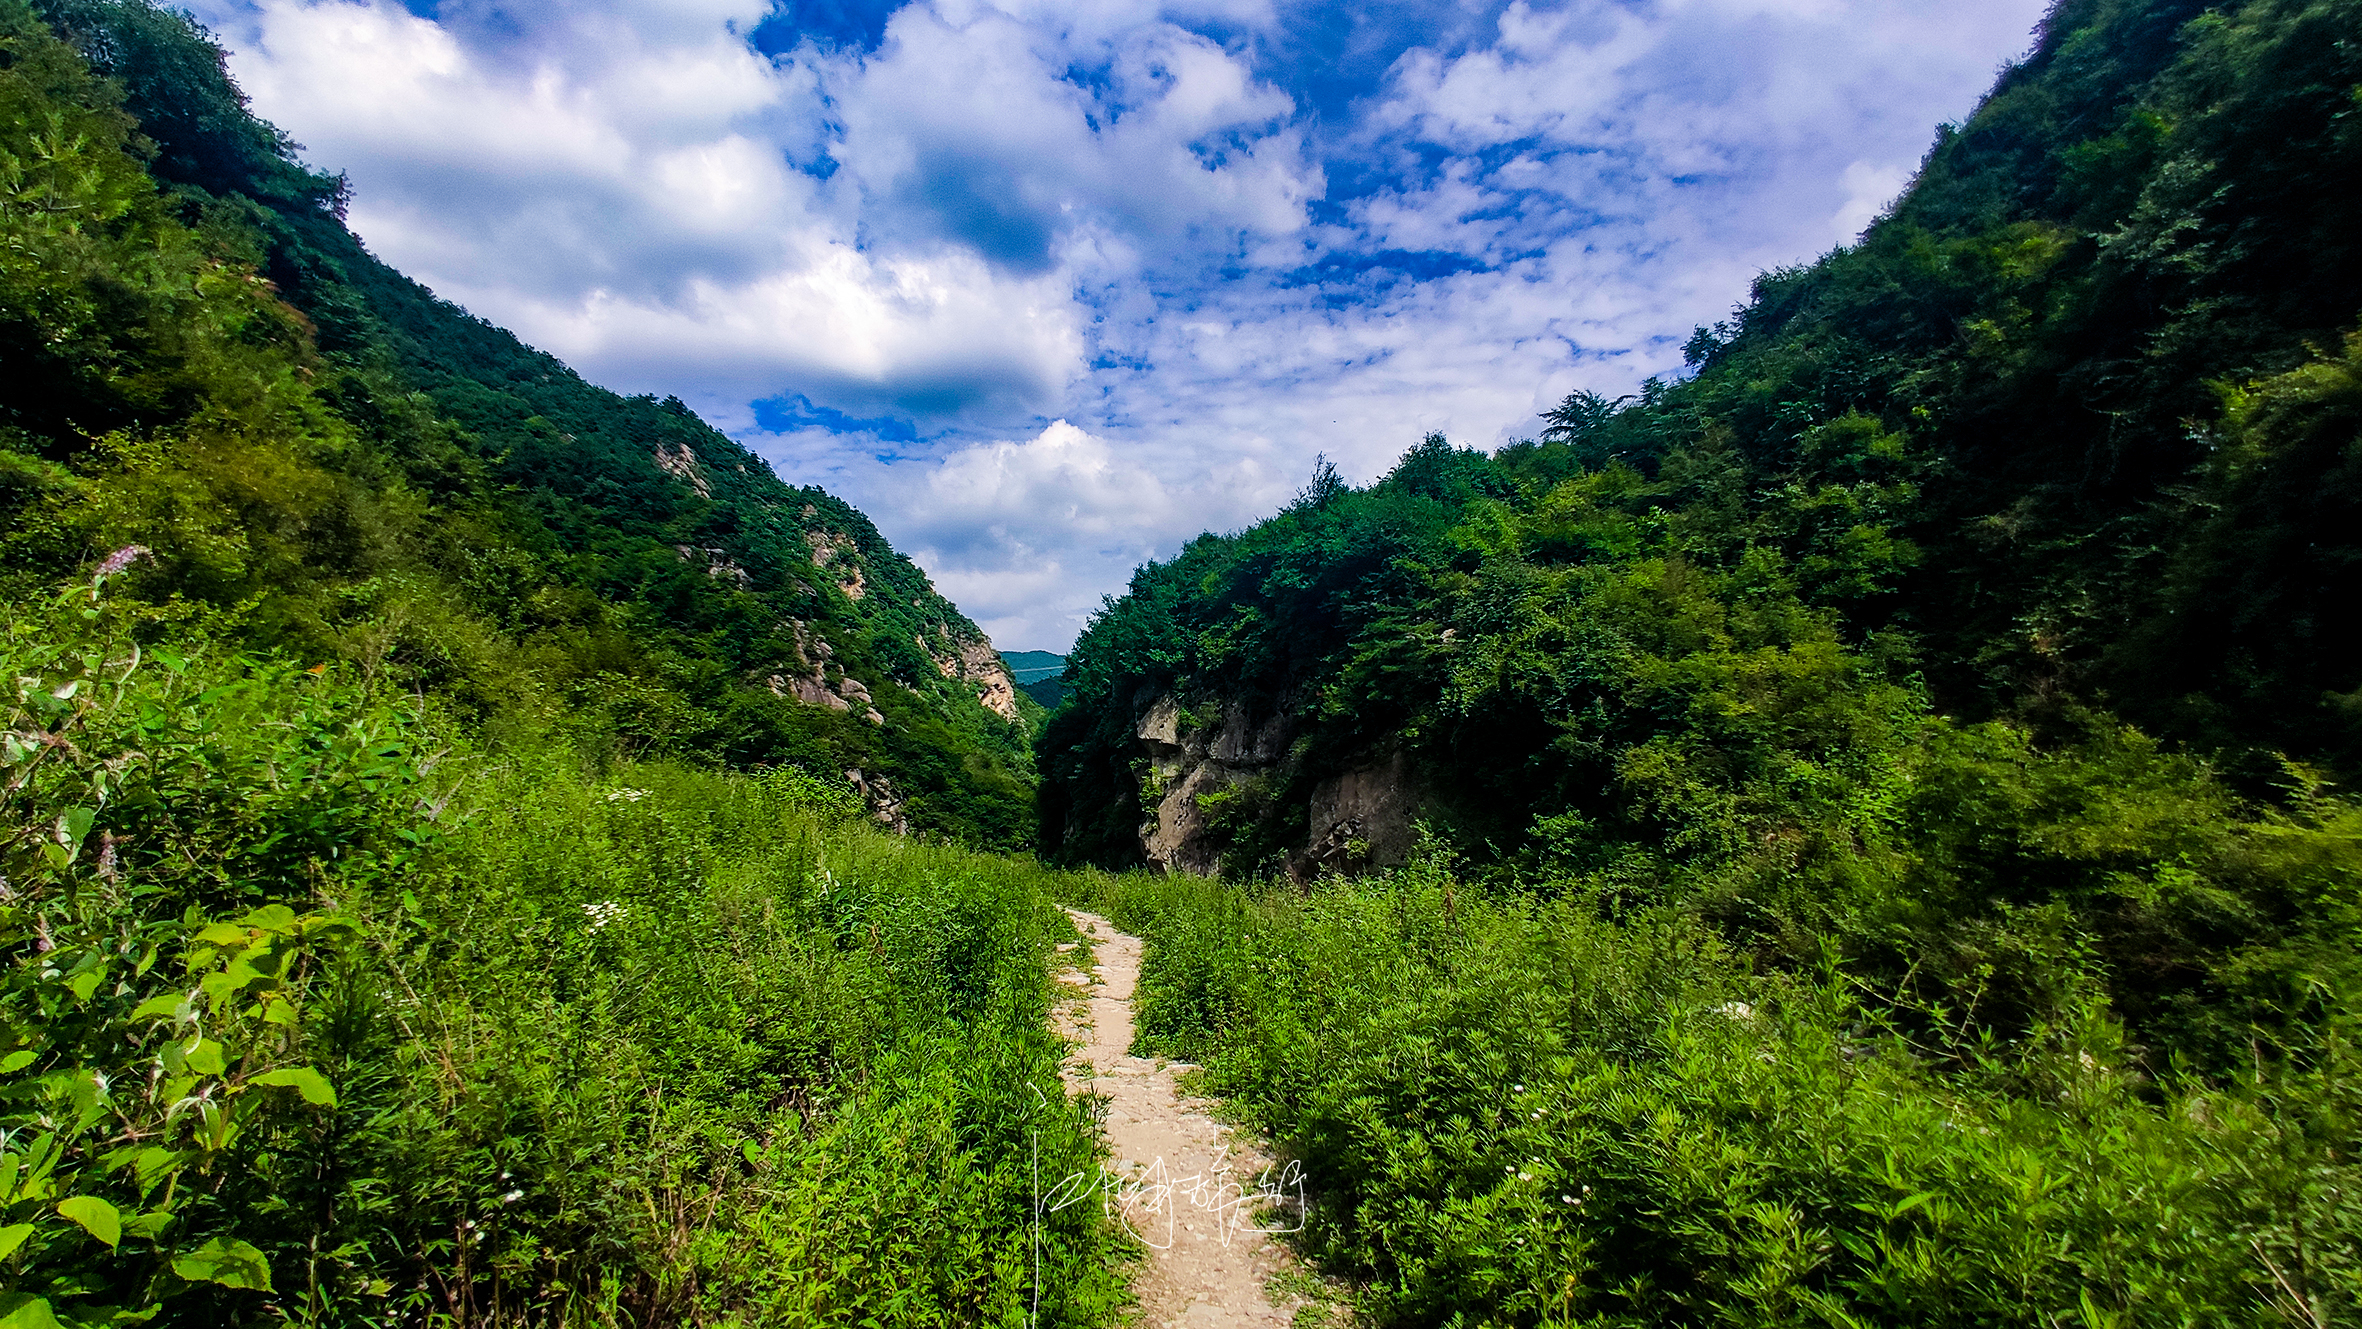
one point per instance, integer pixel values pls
(879, 796)
(718, 564)
(1194, 764)
(839, 557)
(975, 662)
(1362, 819)
(807, 678)
(681, 464)
(1189, 769)
(981, 665)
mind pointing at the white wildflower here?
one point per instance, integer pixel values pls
(602, 912)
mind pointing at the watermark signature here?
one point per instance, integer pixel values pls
(1150, 1200)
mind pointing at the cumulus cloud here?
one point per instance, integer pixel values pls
(1048, 286)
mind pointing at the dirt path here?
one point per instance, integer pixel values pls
(1197, 1196)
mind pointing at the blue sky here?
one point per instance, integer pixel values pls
(1047, 288)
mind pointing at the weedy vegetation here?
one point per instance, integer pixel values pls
(316, 1014)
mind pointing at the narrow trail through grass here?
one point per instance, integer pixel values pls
(1195, 1193)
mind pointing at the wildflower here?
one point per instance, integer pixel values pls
(119, 560)
(513, 1196)
(602, 912)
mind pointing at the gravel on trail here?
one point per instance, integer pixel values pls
(1198, 1195)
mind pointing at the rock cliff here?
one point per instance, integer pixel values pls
(1223, 788)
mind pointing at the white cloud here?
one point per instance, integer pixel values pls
(1182, 227)
(1002, 526)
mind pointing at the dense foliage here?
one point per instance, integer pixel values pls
(1895, 769)
(314, 1013)
(379, 941)
(2071, 429)
(1520, 1111)
(324, 459)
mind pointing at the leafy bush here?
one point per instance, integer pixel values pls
(309, 1010)
(1521, 1112)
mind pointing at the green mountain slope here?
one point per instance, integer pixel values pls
(1838, 639)
(366, 471)
(2071, 431)
(1855, 835)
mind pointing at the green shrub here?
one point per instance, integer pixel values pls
(488, 1037)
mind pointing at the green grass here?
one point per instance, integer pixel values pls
(1516, 1111)
(314, 1013)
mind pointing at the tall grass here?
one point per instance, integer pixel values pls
(1516, 1111)
(311, 1013)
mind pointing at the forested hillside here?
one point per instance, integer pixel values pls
(430, 883)
(2067, 441)
(320, 457)
(1858, 833)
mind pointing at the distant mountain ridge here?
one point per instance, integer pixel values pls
(1032, 666)
(1040, 675)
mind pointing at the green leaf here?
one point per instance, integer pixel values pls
(166, 1006)
(146, 1226)
(76, 823)
(303, 1080)
(12, 1237)
(271, 918)
(86, 982)
(17, 1061)
(20, 1310)
(95, 1216)
(225, 1261)
(206, 1058)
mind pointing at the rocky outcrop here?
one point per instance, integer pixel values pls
(1192, 769)
(808, 678)
(840, 558)
(1198, 765)
(975, 662)
(884, 802)
(981, 666)
(718, 564)
(681, 464)
(1365, 818)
